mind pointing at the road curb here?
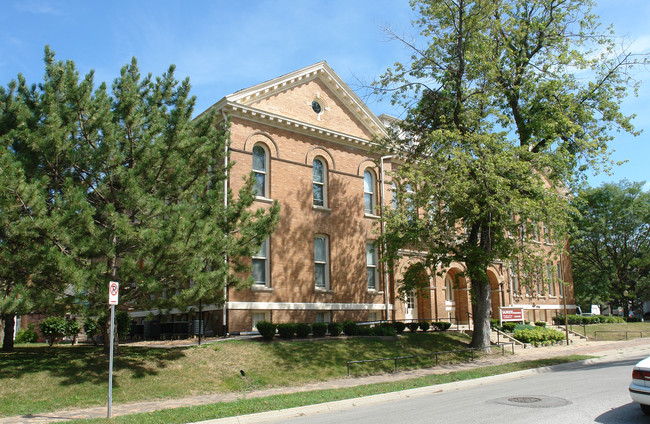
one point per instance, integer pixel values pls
(341, 405)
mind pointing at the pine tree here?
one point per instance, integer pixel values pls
(134, 189)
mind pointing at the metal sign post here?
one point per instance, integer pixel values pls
(113, 291)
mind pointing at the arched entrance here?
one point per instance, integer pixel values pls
(458, 304)
(495, 292)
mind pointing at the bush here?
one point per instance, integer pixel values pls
(509, 326)
(350, 328)
(266, 329)
(424, 326)
(287, 331)
(385, 329)
(540, 323)
(494, 323)
(28, 335)
(413, 326)
(53, 329)
(92, 328)
(335, 328)
(303, 329)
(399, 327)
(538, 335)
(441, 325)
(319, 329)
(72, 329)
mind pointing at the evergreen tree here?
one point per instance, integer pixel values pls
(134, 189)
(498, 127)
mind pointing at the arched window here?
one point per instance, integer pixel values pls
(369, 192)
(449, 289)
(260, 170)
(320, 183)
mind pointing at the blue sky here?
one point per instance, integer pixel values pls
(224, 46)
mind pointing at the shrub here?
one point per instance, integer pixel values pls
(509, 326)
(91, 328)
(399, 327)
(319, 329)
(538, 335)
(364, 330)
(28, 335)
(334, 328)
(413, 326)
(266, 329)
(350, 328)
(303, 329)
(494, 323)
(53, 329)
(540, 323)
(441, 325)
(72, 329)
(287, 330)
(424, 326)
(385, 329)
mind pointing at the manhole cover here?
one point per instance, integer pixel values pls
(537, 401)
(524, 399)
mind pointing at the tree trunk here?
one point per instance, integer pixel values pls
(9, 324)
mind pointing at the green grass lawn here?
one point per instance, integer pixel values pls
(37, 379)
(614, 331)
(292, 400)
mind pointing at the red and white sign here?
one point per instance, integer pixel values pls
(113, 292)
(512, 314)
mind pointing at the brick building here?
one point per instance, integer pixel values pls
(308, 139)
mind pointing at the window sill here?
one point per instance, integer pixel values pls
(263, 199)
(260, 288)
(374, 291)
(321, 208)
(321, 290)
(370, 215)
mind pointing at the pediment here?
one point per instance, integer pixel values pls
(314, 96)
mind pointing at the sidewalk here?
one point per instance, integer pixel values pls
(605, 350)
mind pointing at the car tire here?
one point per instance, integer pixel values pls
(645, 409)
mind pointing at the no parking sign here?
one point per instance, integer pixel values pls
(113, 292)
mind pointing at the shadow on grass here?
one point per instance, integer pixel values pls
(78, 364)
(316, 355)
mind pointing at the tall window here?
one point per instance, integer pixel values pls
(261, 265)
(369, 192)
(395, 198)
(410, 208)
(449, 289)
(549, 276)
(320, 183)
(371, 266)
(260, 169)
(514, 276)
(559, 279)
(321, 262)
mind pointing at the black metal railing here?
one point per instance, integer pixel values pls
(433, 354)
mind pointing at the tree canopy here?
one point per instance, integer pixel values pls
(127, 187)
(610, 245)
(498, 128)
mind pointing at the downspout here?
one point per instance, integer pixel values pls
(382, 230)
(225, 256)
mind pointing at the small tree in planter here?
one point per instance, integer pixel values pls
(399, 327)
(413, 326)
(350, 328)
(424, 326)
(72, 329)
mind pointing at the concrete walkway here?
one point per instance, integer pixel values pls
(605, 350)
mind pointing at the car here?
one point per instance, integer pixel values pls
(640, 386)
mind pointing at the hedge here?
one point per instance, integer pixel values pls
(303, 330)
(538, 335)
(319, 329)
(334, 328)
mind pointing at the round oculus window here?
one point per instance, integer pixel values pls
(316, 107)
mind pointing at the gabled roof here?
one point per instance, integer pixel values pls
(243, 102)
